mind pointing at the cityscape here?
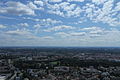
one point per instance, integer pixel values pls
(59, 63)
(59, 39)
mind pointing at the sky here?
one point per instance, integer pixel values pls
(81, 23)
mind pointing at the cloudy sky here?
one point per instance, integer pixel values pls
(60, 23)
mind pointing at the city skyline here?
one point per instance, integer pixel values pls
(60, 23)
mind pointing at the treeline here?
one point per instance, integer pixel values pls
(86, 63)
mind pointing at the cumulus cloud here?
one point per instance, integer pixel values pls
(46, 21)
(55, 0)
(16, 8)
(40, 3)
(75, 0)
(105, 11)
(57, 28)
(91, 28)
(50, 21)
(117, 8)
(94, 30)
(62, 34)
(2, 26)
(47, 37)
(77, 33)
(24, 24)
(99, 1)
(18, 32)
(37, 26)
(33, 6)
(94, 35)
(65, 9)
(70, 34)
(110, 38)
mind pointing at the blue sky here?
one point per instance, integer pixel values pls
(60, 23)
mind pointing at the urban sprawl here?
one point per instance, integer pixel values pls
(59, 64)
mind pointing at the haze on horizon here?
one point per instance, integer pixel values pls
(60, 23)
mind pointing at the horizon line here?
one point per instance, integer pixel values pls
(60, 46)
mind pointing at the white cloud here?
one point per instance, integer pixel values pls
(106, 14)
(91, 28)
(43, 23)
(33, 6)
(51, 21)
(99, 1)
(47, 21)
(96, 32)
(2, 26)
(76, 12)
(75, 0)
(107, 7)
(23, 38)
(47, 37)
(55, 0)
(62, 34)
(16, 8)
(95, 35)
(105, 11)
(77, 33)
(40, 3)
(5, 17)
(37, 26)
(21, 34)
(57, 28)
(111, 37)
(92, 11)
(18, 32)
(64, 9)
(70, 34)
(117, 8)
(24, 24)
